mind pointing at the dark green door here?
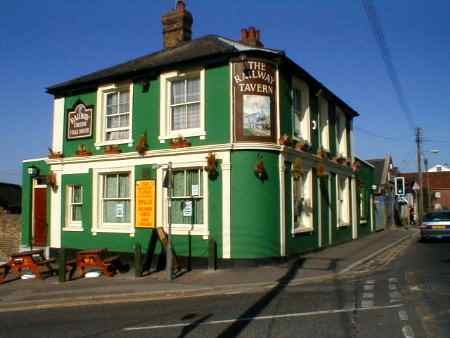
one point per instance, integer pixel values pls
(325, 210)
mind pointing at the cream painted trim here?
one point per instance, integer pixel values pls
(164, 116)
(352, 142)
(281, 166)
(278, 110)
(97, 207)
(354, 208)
(330, 219)
(35, 160)
(73, 228)
(325, 132)
(55, 215)
(371, 213)
(58, 125)
(305, 123)
(100, 113)
(226, 205)
(231, 66)
(319, 209)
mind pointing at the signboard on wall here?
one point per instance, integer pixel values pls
(145, 204)
(254, 93)
(79, 122)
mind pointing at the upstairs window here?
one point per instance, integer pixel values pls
(185, 104)
(341, 132)
(324, 124)
(182, 105)
(300, 111)
(114, 117)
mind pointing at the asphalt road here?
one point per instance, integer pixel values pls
(403, 293)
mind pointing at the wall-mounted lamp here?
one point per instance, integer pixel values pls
(33, 171)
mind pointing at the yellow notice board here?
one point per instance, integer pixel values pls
(145, 204)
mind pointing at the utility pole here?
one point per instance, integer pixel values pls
(429, 191)
(420, 175)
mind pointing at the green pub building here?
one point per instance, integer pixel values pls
(262, 154)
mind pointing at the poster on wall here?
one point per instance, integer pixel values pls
(145, 204)
(254, 93)
(79, 122)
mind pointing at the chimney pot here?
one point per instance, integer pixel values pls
(251, 37)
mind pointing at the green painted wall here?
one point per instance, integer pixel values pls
(146, 111)
(255, 210)
(286, 114)
(27, 193)
(123, 242)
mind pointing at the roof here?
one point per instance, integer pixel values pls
(379, 165)
(207, 49)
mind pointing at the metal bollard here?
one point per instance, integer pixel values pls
(137, 260)
(62, 259)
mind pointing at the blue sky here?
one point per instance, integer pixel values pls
(45, 42)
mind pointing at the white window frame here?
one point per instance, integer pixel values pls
(100, 138)
(343, 201)
(305, 120)
(165, 129)
(324, 123)
(341, 133)
(97, 202)
(307, 220)
(70, 224)
(362, 206)
(162, 215)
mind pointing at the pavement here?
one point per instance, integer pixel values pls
(21, 295)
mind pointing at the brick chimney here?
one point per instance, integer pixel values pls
(177, 26)
(251, 37)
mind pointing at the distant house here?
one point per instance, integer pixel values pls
(439, 167)
(10, 197)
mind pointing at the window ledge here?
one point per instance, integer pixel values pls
(343, 226)
(73, 228)
(302, 231)
(363, 221)
(114, 142)
(183, 133)
(114, 230)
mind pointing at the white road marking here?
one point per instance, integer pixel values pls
(367, 295)
(268, 317)
(367, 303)
(369, 287)
(392, 287)
(403, 315)
(393, 280)
(408, 331)
(370, 281)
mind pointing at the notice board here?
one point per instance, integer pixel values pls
(145, 204)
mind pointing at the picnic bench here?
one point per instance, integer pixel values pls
(4, 268)
(97, 258)
(32, 261)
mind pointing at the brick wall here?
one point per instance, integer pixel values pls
(10, 232)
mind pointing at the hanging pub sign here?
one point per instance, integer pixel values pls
(79, 122)
(254, 92)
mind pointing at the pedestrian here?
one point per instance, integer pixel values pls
(411, 216)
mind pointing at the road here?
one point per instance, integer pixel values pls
(403, 293)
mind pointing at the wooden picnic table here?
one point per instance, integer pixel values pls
(97, 258)
(32, 261)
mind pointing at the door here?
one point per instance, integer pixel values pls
(40, 217)
(325, 209)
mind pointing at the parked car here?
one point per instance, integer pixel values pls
(435, 225)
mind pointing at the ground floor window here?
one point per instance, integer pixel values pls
(74, 206)
(362, 205)
(302, 208)
(343, 201)
(187, 197)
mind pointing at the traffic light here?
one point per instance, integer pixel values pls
(399, 186)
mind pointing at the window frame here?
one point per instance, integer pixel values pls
(98, 224)
(162, 214)
(70, 224)
(341, 133)
(307, 223)
(343, 206)
(101, 116)
(324, 127)
(166, 81)
(363, 212)
(305, 121)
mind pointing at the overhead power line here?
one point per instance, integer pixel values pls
(377, 30)
(371, 133)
